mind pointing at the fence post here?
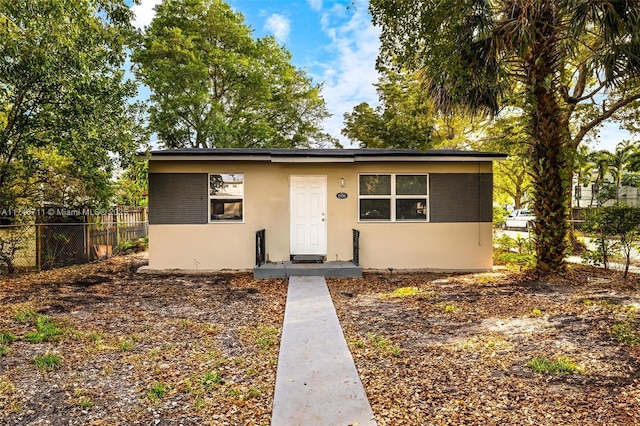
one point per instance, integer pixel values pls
(38, 247)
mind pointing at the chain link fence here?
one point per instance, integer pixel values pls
(42, 246)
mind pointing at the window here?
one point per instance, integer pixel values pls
(226, 196)
(393, 197)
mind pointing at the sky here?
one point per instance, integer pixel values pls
(333, 41)
(337, 45)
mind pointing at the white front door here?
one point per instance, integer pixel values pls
(308, 215)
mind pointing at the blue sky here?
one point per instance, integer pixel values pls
(335, 42)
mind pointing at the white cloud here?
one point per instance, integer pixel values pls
(279, 26)
(315, 5)
(350, 76)
(144, 12)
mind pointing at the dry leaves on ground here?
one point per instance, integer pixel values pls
(202, 349)
(453, 348)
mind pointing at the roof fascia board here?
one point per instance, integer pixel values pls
(389, 159)
(312, 159)
(210, 157)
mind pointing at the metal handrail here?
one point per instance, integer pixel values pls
(356, 247)
(260, 247)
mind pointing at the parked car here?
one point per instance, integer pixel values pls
(522, 219)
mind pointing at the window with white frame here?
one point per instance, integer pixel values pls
(226, 197)
(393, 197)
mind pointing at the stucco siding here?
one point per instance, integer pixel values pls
(459, 243)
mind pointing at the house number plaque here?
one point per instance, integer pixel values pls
(341, 195)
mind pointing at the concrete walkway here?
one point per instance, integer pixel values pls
(317, 383)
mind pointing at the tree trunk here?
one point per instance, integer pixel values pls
(550, 185)
(550, 166)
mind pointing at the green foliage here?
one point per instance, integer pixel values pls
(48, 362)
(401, 292)
(46, 330)
(6, 338)
(157, 391)
(12, 241)
(125, 345)
(383, 345)
(561, 365)
(84, 402)
(616, 229)
(213, 85)
(404, 118)
(64, 105)
(626, 332)
(211, 380)
(131, 187)
(516, 252)
(25, 313)
(498, 216)
(486, 57)
(266, 337)
(126, 247)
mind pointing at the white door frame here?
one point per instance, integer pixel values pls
(308, 221)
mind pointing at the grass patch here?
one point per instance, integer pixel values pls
(84, 402)
(48, 362)
(626, 332)
(81, 398)
(243, 395)
(157, 391)
(384, 345)
(211, 380)
(24, 313)
(6, 338)
(561, 365)
(401, 292)
(264, 336)
(125, 345)
(9, 401)
(46, 330)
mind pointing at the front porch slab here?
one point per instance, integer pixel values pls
(288, 269)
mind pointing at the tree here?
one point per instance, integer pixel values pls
(562, 57)
(512, 180)
(405, 118)
(131, 188)
(214, 86)
(64, 103)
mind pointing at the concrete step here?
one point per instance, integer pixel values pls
(290, 269)
(307, 258)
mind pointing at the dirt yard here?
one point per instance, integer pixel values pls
(100, 345)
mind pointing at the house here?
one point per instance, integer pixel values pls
(606, 193)
(391, 208)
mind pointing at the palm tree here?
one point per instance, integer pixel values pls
(614, 165)
(554, 54)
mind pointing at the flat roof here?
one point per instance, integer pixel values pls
(312, 155)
